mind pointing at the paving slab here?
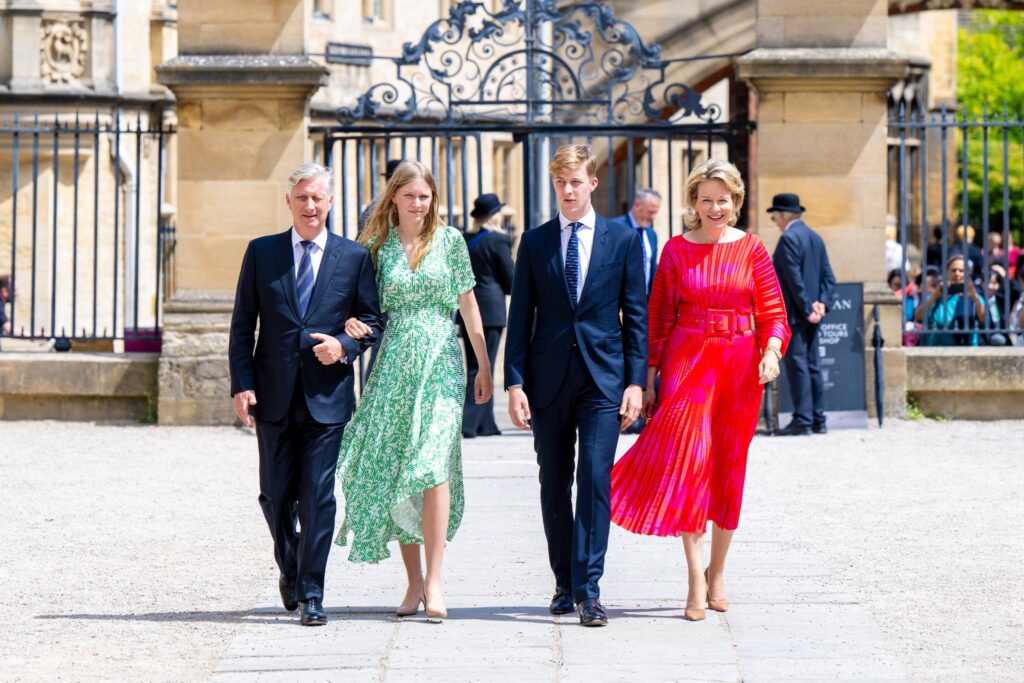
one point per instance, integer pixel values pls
(790, 616)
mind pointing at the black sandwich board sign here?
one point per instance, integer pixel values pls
(841, 359)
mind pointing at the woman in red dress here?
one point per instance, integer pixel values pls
(717, 332)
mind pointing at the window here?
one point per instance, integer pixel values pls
(373, 11)
(322, 9)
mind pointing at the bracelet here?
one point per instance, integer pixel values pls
(778, 354)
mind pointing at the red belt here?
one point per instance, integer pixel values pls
(715, 322)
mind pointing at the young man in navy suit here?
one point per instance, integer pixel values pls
(575, 363)
(307, 288)
(805, 274)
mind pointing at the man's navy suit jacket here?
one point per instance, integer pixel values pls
(543, 326)
(804, 271)
(271, 364)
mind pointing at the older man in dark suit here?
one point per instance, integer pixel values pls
(646, 204)
(805, 274)
(302, 286)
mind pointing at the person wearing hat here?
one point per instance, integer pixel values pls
(490, 253)
(805, 274)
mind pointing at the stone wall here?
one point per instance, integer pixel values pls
(78, 386)
(983, 383)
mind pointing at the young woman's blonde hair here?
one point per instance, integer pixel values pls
(385, 214)
(713, 169)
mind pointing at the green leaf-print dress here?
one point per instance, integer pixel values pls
(406, 436)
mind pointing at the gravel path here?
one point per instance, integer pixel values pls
(130, 552)
(924, 521)
(138, 552)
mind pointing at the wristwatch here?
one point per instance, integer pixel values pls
(778, 354)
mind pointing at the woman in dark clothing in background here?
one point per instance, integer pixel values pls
(490, 252)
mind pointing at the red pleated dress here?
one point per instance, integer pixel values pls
(713, 308)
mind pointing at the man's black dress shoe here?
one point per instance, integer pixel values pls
(592, 613)
(562, 602)
(312, 613)
(819, 428)
(794, 430)
(287, 588)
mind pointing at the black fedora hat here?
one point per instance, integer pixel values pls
(485, 206)
(390, 167)
(786, 202)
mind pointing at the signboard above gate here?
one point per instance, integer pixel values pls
(347, 53)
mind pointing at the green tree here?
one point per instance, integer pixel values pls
(990, 78)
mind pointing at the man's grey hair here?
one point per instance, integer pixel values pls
(790, 215)
(310, 171)
(645, 193)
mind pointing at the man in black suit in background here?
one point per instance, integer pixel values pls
(302, 286)
(807, 286)
(646, 204)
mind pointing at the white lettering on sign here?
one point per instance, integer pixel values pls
(832, 333)
(842, 305)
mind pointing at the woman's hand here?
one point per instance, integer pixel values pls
(356, 329)
(483, 386)
(768, 368)
(650, 401)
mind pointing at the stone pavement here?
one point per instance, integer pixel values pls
(790, 619)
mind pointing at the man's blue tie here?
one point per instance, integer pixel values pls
(572, 262)
(304, 279)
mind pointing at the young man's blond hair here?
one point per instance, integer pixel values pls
(571, 157)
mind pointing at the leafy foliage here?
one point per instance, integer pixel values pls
(990, 83)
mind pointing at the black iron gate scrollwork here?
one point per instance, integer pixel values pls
(484, 97)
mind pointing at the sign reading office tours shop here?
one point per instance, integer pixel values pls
(841, 349)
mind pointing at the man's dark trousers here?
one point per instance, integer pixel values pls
(806, 384)
(576, 543)
(298, 462)
(302, 404)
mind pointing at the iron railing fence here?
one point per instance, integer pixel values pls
(956, 180)
(466, 164)
(83, 232)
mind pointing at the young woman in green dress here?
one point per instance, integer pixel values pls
(401, 463)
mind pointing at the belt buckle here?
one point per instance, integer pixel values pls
(721, 322)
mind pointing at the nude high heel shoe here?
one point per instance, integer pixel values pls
(434, 616)
(400, 613)
(716, 605)
(693, 613)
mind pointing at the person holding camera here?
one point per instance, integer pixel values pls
(956, 305)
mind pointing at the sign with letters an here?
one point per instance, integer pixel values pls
(841, 359)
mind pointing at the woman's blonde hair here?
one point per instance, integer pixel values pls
(385, 214)
(713, 169)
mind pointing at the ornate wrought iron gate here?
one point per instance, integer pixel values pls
(485, 97)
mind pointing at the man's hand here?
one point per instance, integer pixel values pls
(7, 329)
(518, 407)
(632, 402)
(815, 317)
(329, 351)
(244, 399)
(819, 308)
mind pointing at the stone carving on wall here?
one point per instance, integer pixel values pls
(63, 50)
